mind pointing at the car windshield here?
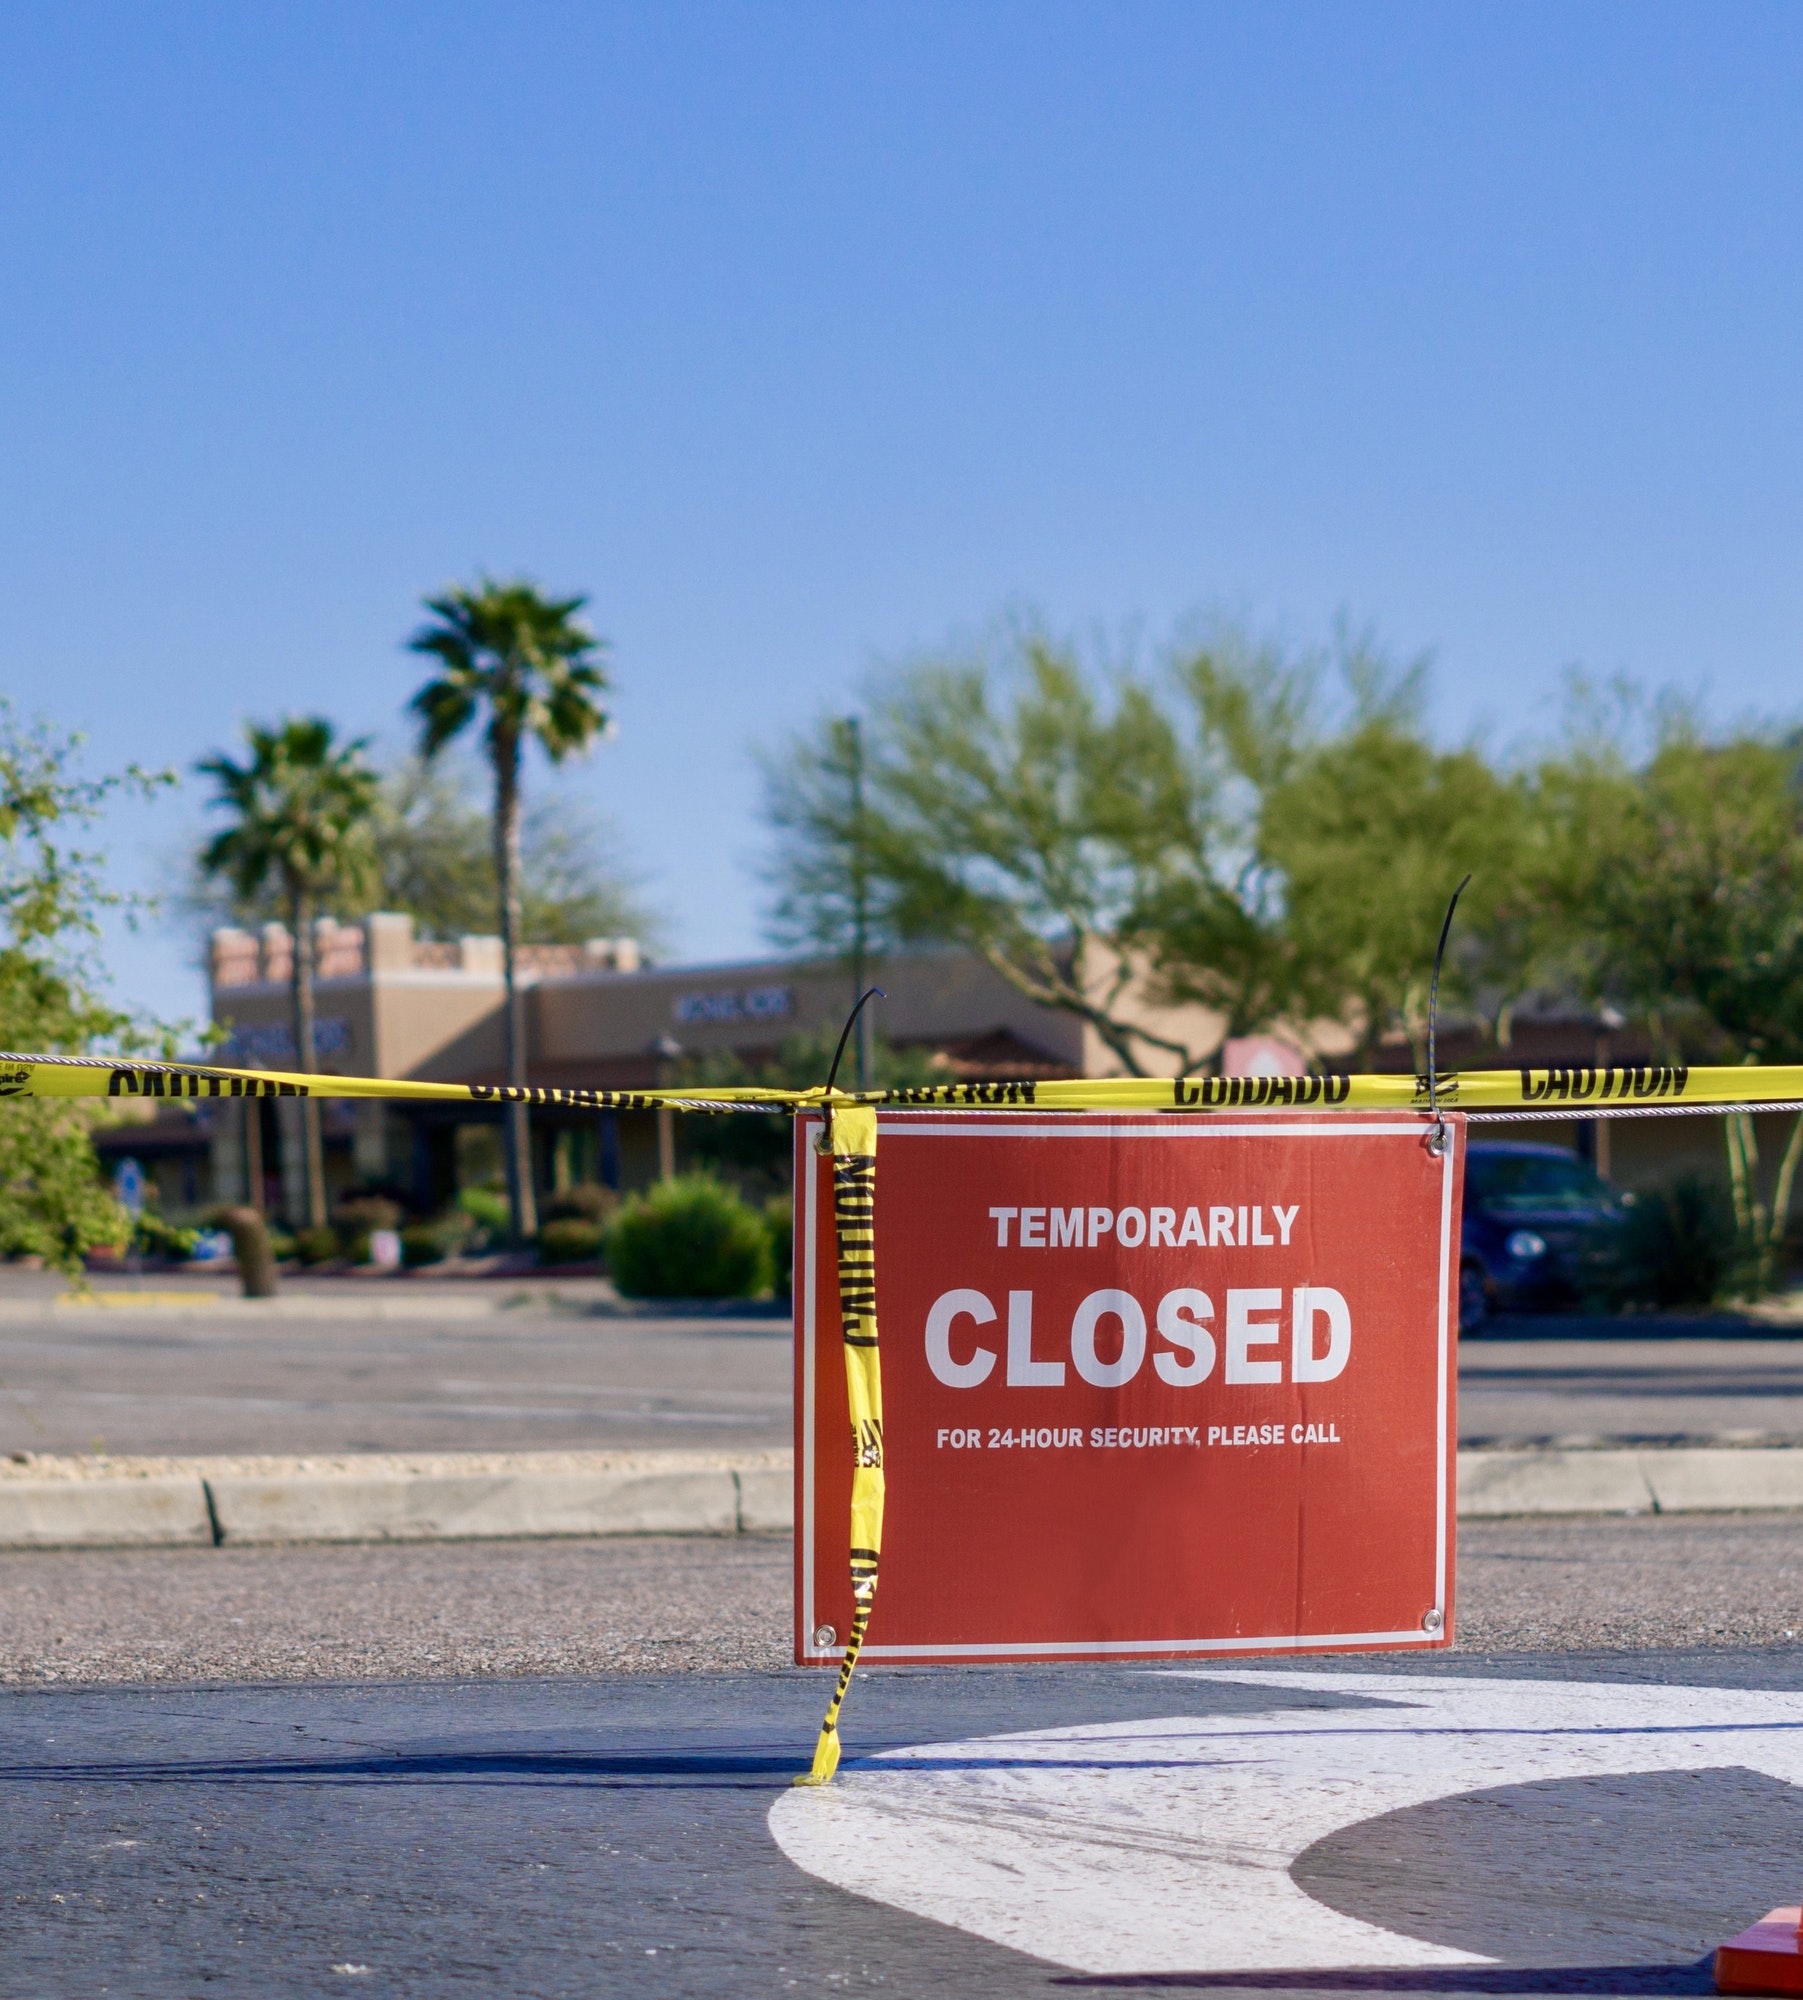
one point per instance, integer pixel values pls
(1515, 1183)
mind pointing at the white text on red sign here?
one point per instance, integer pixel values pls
(1112, 1319)
(1240, 1227)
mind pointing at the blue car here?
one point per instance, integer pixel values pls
(1533, 1216)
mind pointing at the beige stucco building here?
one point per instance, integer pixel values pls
(393, 1005)
(389, 1004)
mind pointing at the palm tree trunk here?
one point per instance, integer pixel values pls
(300, 905)
(522, 1208)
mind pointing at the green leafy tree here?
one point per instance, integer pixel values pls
(829, 895)
(1008, 807)
(1097, 839)
(436, 855)
(1370, 833)
(301, 808)
(1267, 835)
(525, 668)
(1686, 880)
(1334, 832)
(53, 1203)
(1211, 921)
(434, 859)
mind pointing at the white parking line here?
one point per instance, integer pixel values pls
(1166, 1846)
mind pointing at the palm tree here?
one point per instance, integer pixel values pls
(301, 806)
(528, 665)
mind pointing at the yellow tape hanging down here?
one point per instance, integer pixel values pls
(1584, 1092)
(852, 1140)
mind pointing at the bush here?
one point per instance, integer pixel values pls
(1677, 1246)
(424, 1243)
(316, 1246)
(487, 1209)
(365, 1212)
(570, 1240)
(588, 1203)
(779, 1220)
(357, 1219)
(153, 1237)
(281, 1246)
(689, 1238)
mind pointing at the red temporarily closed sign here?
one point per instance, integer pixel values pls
(1153, 1386)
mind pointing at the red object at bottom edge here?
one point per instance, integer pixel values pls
(1767, 1958)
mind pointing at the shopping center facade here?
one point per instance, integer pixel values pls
(391, 1004)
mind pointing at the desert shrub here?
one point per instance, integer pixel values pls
(359, 1217)
(689, 1238)
(779, 1220)
(317, 1246)
(485, 1210)
(588, 1203)
(1677, 1246)
(570, 1240)
(153, 1237)
(424, 1243)
(360, 1213)
(281, 1246)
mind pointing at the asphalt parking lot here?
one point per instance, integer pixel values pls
(548, 1768)
(544, 1368)
(1581, 1381)
(1492, 1826)
(698, 1603)
(470, 1369)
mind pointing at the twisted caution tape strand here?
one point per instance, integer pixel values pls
(1630, 1090)
(1601, 1091)
(852, 1140)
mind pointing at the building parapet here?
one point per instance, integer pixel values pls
(384, 943)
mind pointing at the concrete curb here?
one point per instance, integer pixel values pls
(1690, 1479)
(474, 1496)
(95, 1503)
(452, 1507)
(157, 1510)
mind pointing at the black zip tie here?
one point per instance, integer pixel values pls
(1436, 1140)
(832, 1076)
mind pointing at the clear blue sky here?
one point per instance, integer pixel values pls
(804, 336)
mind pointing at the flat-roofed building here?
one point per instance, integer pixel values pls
(389, 1004)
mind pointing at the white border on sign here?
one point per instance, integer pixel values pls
(1081, 1126)
(810, 1132)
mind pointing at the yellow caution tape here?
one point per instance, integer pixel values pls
(852, 1142)
(1600, 1089)
(1603, 1090)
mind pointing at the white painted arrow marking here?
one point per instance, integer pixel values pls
(1166, 1846)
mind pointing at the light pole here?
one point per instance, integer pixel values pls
(667, 1050)
(1608, 1020)
(851, 741)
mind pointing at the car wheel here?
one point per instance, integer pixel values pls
(1474, 1298)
